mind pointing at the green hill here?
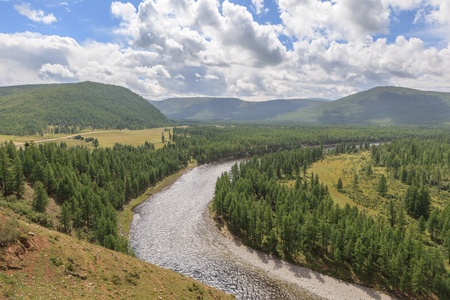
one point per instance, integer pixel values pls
(32, 109)
(381, 105)
(228, 109)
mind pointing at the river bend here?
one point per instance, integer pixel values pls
(172, 229)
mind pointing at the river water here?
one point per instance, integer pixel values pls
(172, 229)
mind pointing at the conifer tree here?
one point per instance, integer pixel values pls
(6, 175)
(355, 181)
(65, 189)
(382, 186)
(433, 223)
(447, 244)
(339, 185)
(422, 224)
(392, 214)
(423, 202)
(19, 178)
(369, 170)
(40, 200)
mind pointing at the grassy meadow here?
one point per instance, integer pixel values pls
(364, 193)
(106, 138)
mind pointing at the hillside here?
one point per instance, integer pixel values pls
(39, 263)
(31, 109)
(228, 109)
(381, 105)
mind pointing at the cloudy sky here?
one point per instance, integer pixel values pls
(251, 49)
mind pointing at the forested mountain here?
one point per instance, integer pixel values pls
(229, 109)
(381, 105)
(32, 109)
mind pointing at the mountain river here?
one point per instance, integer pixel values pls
(173, 229)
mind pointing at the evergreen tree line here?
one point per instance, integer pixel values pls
(211, 143)
(90, 186)
(303, 221)
(418, 160)
(420, 163)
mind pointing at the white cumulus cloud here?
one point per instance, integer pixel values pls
(35, 15)
(169, 48)
(212, 77)
(259, 6)
(56, 69)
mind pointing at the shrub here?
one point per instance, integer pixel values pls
(8, 232)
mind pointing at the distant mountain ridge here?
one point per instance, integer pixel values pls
(380, 105)
(30, 109)
(228, 109)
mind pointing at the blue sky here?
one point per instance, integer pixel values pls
(252, 49)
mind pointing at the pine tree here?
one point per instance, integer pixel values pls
(382, 186)
(433, 223)
(339, 185)
(422, 224)
(369, 170)
(410, 200)
(40, 200)
(65, 189)
(392, 214)
(19, 178)
(355, 181)
(6, 175)
(447, 244)
(423, 202)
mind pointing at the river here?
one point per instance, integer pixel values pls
(172, 229)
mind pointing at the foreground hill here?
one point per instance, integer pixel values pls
(38, 263)
(229, 109)
(381, 105)
(31, 109)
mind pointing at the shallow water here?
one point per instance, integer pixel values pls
(171, 230)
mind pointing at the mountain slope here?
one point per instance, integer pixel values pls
(39, 263)
(228, 109)
(30, 109)
(381, 105)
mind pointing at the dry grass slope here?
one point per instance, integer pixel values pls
(42, 264)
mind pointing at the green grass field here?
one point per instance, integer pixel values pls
(106, 138)
(364, 194)
(125, 137)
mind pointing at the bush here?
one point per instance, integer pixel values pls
(8, 232)
(42, 219)
(56, 261)
(18, 207)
